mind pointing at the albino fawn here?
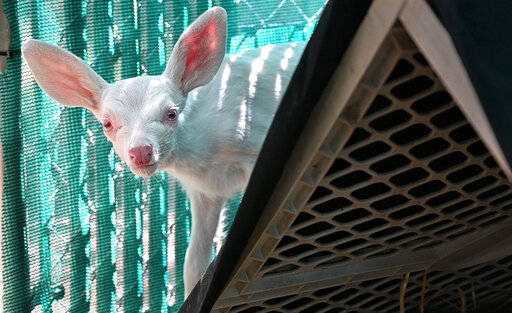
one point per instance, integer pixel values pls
(203, 120)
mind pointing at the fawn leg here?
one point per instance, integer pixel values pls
(205, 218)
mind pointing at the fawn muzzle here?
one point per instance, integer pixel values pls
(141, 156)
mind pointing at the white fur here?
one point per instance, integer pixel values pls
(222, 123)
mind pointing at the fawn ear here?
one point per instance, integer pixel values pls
(63, 76)
(198, 54)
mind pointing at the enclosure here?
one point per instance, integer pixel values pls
(79, 231)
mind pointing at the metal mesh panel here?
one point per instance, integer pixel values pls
(400, 173)
(80, 232)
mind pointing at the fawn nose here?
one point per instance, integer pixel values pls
(141, 155)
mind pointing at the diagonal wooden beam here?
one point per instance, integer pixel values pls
(483, 248)
(434, 41)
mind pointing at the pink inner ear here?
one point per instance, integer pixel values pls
(73, 83)
(200, 45)
(68, 81)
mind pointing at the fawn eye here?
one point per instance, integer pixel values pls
(172, 115)
(107, 125)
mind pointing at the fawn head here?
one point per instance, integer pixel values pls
(141, 116)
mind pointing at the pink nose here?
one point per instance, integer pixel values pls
(141, 156)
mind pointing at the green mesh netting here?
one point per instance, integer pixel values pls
(79, 232)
